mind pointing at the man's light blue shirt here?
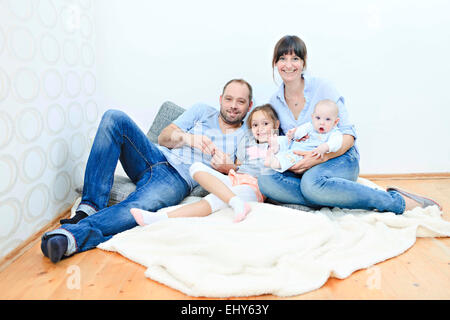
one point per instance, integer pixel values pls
(201, 119)
(316, 89)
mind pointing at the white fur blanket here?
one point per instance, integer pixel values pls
(275, 250)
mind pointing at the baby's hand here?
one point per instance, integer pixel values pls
(291, 133)
(320, 151)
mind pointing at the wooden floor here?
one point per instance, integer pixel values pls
(423, 272)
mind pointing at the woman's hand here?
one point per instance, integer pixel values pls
(308, 161)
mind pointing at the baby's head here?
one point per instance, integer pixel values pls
(263, 121)
(325, 116)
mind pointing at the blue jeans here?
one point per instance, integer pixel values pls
(330, 184)
(158, 184)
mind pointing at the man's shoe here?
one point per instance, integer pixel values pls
(54, 247)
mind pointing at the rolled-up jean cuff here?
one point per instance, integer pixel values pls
(89, 210)
(71, 242)
(403, 203)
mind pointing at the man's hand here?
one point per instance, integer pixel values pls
(222, 161)
(203, 143)
(307, 162)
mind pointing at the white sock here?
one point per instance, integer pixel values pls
(241, 208)
(144, 218)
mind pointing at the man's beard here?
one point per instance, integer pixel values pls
(238, 120)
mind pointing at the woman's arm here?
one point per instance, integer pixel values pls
(309, 161)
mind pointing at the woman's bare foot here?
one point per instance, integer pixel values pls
(414, 200)
(410, 203)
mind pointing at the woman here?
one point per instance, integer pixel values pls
(329, 181)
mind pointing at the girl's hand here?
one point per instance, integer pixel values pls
(274, 147)
(307, 162)
(222, 162)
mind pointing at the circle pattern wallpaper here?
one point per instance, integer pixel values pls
(48, 111)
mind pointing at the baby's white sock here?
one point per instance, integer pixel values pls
(144, 218)
(241, 208)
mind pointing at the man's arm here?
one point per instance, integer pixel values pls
(174, 137)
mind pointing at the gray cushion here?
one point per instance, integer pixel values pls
(123, 186)
(120, 189)
(167, 113)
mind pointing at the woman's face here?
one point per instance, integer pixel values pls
(262, 126)
(290, 67)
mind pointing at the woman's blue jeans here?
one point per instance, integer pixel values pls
(158, 184)
(330, 184)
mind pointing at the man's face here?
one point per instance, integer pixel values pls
(234, 103)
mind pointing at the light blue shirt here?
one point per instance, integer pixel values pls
(316, 89)
(201, 119)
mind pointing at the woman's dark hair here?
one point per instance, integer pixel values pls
(289, 45)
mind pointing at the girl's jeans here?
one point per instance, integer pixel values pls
(330, 184)
(158, 184)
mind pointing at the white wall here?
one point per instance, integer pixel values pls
(388, 58)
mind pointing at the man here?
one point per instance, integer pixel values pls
(160, 172)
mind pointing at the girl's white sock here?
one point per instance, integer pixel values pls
(144, 218)
(241, 208)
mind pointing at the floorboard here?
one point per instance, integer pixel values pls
(422, 272)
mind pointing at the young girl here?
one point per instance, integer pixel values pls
(235, 189)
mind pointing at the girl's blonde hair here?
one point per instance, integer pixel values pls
(267, 109)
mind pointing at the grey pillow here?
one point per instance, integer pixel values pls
(120, 189)
(167, 113)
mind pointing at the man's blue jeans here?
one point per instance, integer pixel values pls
(158, 184)
(330, 184)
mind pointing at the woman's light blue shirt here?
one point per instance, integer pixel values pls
(316, 89)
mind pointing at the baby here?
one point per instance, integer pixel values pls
(321, 135)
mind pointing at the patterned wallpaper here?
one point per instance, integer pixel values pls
(49, 110)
